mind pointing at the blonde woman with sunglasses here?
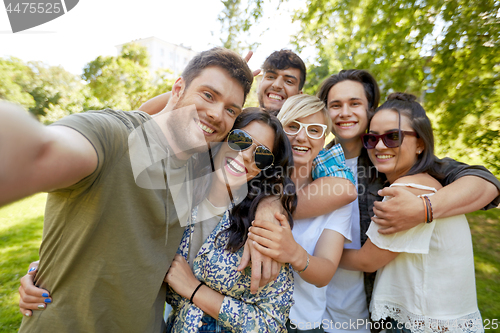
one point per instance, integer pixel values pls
(314, 246)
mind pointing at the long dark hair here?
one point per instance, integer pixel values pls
(407, 105)
(274, 181)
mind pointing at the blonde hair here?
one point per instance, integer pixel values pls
(303, 105)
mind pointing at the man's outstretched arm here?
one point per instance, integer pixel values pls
(35, 158)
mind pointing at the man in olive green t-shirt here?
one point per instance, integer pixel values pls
(106, 238)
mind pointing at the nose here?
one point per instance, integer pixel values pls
(301, 136)
(248, 156)
(215, 112)
(278, 83)
(345, 110)
(380, 144)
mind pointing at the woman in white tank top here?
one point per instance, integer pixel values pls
(425, 280)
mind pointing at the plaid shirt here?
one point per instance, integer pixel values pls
(331, 163)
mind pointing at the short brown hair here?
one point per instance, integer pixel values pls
(223, 58)
(284, 59)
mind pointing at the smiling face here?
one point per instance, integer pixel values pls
(347, 106)
(276, 86)
(393, 162)
(205, 110)
(239, 167)
(304, 148)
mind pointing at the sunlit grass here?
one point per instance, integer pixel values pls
(20, 236)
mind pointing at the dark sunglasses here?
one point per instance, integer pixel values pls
(240, 140)
(391, 139)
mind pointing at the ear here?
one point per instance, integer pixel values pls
(178, 87)
(177, 91)
(420, 146)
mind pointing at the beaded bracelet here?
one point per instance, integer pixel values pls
(194, 292)
(307, 265)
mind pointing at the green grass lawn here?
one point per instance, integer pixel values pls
(21, 233)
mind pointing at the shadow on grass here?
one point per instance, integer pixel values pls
(19, 247)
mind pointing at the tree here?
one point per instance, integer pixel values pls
(14, 75)
(123, 82)
(48, 92)
(446, 52)
(236, 23)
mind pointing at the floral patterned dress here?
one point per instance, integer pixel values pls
(241, 311)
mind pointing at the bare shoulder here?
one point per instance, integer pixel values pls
(420, 179)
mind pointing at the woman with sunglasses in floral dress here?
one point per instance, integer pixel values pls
(425, 279)
(314, 246)
(208, 293)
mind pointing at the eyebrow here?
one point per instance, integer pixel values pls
(218, 93)
(350, 99)
(286, 75)
(391, 130)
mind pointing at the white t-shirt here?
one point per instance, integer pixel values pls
(430, 286)
(310, 301)
(346, 308)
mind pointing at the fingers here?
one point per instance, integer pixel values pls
(264, 233)
(383, 223)
(248, 56)
(265, 225)
(266, 271)
(26, 312)
(261, 240)
(31, 297)
(256, 72)
(30, 289)
(275, 270)
(263, 250)
(256, 275)
(245, 259)
(388, 191)
(388, 231)
(282, 220)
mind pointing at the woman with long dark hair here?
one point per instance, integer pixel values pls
(425, 279)
(209, 294)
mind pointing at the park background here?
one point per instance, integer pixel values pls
(444, 51)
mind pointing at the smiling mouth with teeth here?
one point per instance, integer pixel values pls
(346, 124)
(234, 166)
(300, 149)
(275, 97)
(205, 128)
(384, 157)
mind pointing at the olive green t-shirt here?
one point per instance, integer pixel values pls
(106, 247)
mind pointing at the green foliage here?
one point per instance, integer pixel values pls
(13, 74)
(237, 18)
(123, 82)
(49, 93)
(446, 52)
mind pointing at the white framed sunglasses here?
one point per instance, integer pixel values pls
(314, 131)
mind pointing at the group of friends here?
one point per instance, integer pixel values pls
(247, 219)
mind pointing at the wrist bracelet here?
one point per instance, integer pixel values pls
(425, 209)
(307, 265)
(430, 213)
(194, 292)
